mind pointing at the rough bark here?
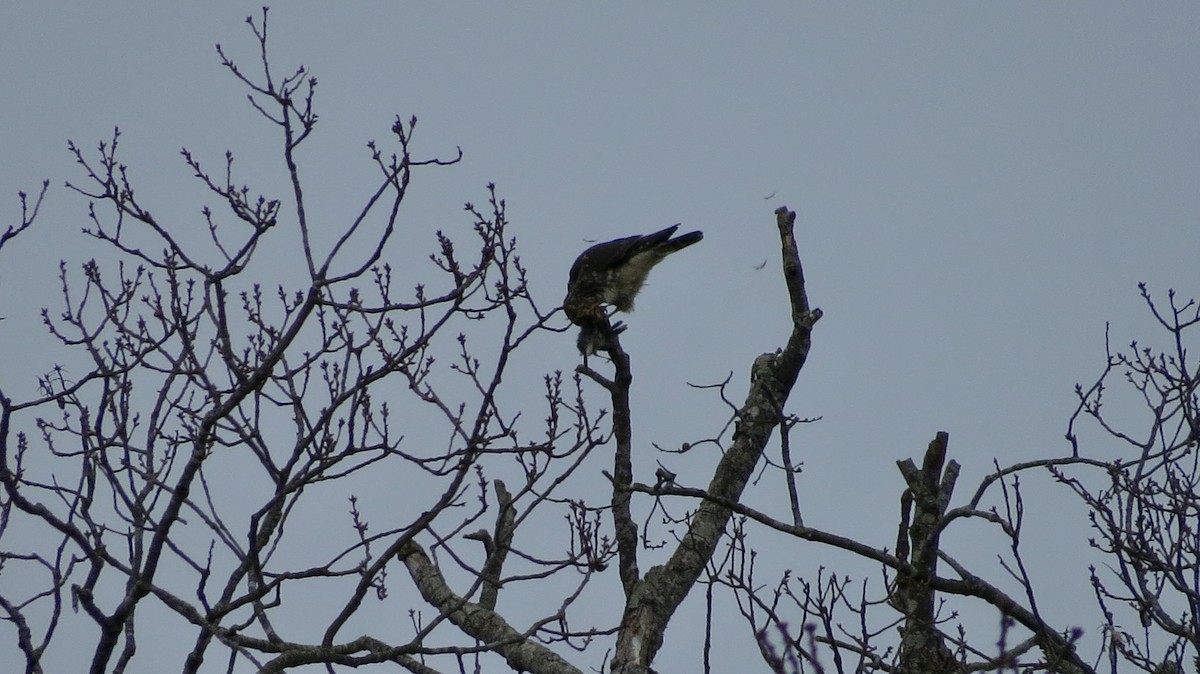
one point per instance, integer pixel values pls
(653, 599)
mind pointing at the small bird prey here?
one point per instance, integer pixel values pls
(612, 273)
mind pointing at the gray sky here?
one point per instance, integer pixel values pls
(980, 186)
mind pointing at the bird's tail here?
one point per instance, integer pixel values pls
(683, 240)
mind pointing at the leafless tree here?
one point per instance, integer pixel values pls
(1144, 506)
(219, 411)
(1146, 513)
(181, 478)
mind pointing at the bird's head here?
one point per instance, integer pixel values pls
(583, 312)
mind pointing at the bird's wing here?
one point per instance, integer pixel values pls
(609, 254)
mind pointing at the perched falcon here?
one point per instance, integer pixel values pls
(612, 273)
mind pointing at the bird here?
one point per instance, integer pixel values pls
(613, 273)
